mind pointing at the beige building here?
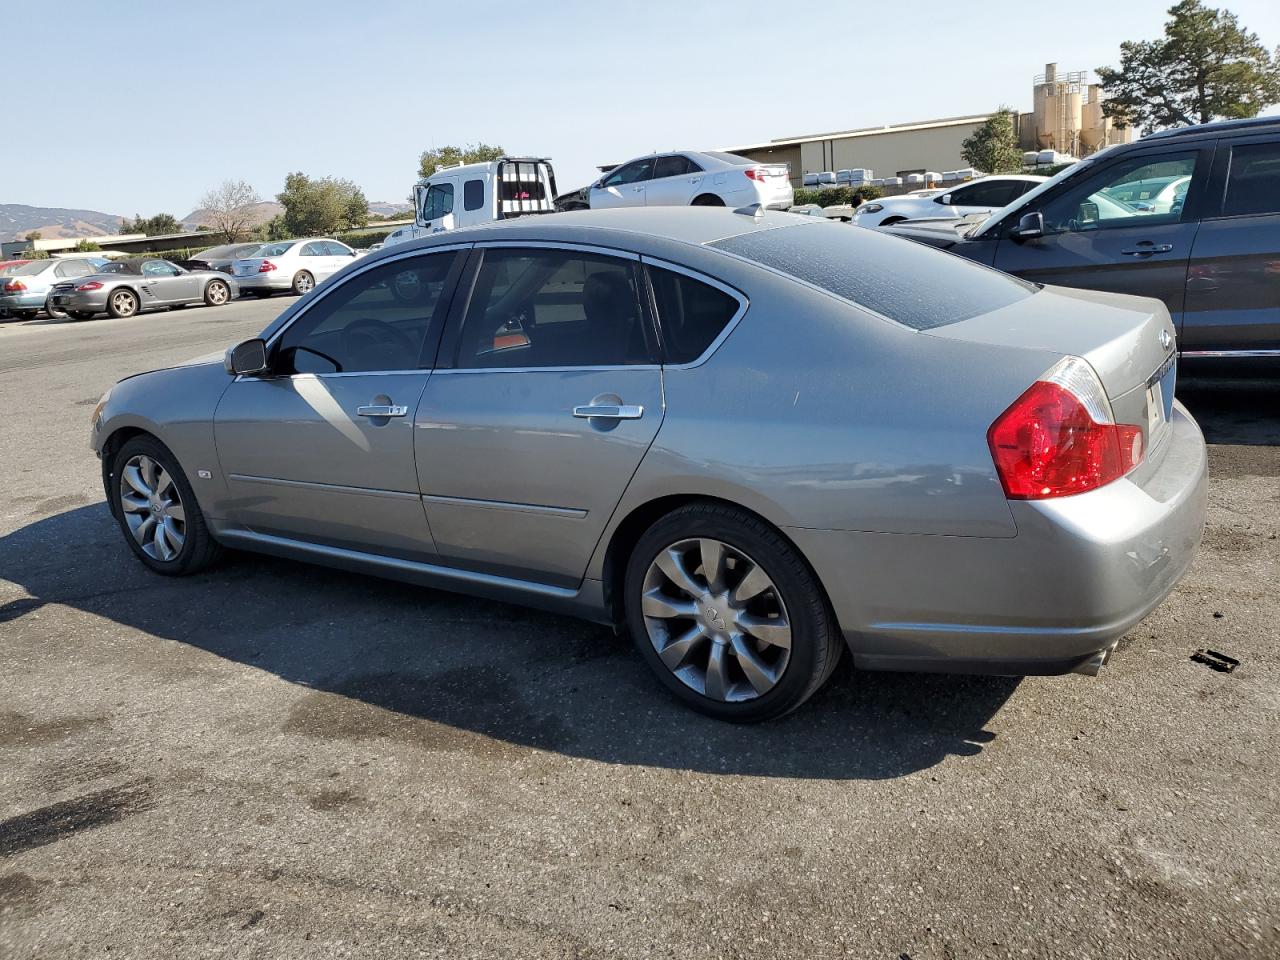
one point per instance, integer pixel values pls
(890, 151)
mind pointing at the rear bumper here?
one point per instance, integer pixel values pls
(92, 300)
(1081, 572)
(264, 281)
(28, 300)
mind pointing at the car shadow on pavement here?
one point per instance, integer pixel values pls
(1235, 411)
(383, 659)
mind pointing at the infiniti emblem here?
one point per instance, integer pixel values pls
(714, 616)
(1166, 341)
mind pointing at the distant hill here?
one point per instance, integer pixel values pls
(52, 223)
(262, 212)
(390, 209)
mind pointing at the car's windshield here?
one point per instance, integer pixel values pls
(226, 250)
(996, 215)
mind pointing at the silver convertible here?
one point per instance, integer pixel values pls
(750, 439)
(125, 287)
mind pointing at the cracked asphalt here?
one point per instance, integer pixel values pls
(277, 760)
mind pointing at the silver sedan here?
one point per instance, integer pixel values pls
(751, 440)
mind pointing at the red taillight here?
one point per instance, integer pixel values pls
(90, 285)
(266, 266)
(754, 173)
(1049, 443)
(14, 286)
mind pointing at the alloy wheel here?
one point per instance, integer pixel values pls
(217, 293)
(124, 303)
(303, 283)
(716, 620)
(153, 508)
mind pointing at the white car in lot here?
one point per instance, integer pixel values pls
(981, 196)
(686, 178)
(295, 265)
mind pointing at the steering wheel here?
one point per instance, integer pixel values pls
(368, 334)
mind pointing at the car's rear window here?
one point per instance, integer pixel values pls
(916, 285)
(273, 249)
(733, 158)
(31, 268)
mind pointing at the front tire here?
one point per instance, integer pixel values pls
(216, 293)
(728, 614)
(303, 283)
(157, 510)
(122, 303)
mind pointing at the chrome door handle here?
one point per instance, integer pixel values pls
(609, 411)
(1146, 250)
(382, 410)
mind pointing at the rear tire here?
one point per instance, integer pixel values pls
(55, 313)
(122, 303)
(303, 283)
(81, 314)
(777, 643)
(707, 200)
(216, 293)
(186, 539)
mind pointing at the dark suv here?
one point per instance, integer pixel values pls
(1191, 216)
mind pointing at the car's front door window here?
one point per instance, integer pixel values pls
(377, 320)
(439, 201)
(1124, 194)
(633, 172)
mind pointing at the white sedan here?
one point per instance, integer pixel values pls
(981, 196)
(293, 265)
(710, 179)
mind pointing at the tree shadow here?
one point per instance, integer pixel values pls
(387, 660)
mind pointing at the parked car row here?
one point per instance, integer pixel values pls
(85, 287)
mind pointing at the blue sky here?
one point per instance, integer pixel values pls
(140, 106)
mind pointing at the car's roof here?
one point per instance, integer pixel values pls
(693, 225)
(1250, 125)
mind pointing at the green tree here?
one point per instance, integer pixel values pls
(1207, 66)
(158, 225)
(993, 147)
(33, 236)
(433, 160)
(86, 246)
(326, 205)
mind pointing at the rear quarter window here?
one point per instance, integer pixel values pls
(908, 282)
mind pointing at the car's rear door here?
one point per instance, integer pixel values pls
(546, 396)
(1095, 241)
(1233, 279)
(322, 449)
(675, 180)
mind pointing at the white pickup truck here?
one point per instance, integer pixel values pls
(474, 193)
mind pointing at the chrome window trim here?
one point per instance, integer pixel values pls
(324, 291)
(598, 369)
(1231, 353)
(743, 305)
(422, 371)
(558, 245)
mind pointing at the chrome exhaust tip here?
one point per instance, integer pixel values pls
(1093, 666)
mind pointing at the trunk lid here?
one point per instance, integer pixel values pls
(1129, 342)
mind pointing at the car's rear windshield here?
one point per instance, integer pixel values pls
(31, 268)
(916, 285)
(273, 249)
(733, 158)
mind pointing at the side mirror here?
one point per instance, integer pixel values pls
(353, 253)
(1030, 226)
(246, 359)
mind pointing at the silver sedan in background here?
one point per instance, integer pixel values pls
(26, 288)
(752, 440)
(295, 266)
(126, 287)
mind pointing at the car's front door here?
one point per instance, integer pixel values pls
(675, 182)
(623, 187)
(437, 207)
(1233, 281)
(163, 282)
(546, 397)
(321, 450)
(1096, 241)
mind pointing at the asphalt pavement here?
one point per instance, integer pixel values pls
(278, 760)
